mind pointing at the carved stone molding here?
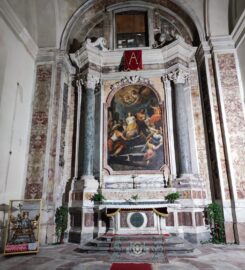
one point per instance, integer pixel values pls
(131, 80)
(178, 76)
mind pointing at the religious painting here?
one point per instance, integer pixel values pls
(135, 139)
(23, 227)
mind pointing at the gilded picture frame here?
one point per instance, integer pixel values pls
(135, 112)
(22, 236)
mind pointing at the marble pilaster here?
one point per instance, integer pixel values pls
(168, 93)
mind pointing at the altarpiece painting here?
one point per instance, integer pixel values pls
(135, 130)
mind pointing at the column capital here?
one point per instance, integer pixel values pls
(90, 81)
(178, 76)
(79, 84)
(166, 81)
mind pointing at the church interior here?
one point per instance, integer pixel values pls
(111, 108)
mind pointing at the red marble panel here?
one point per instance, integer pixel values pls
(185, 218)
(150, 218)
(229, 232)
(39, 130)
(241, 232)
(223, 173)
(53, 139)
(234, 116)
(123, 219)
(170, 219)
(199, 127)
(89, 219)
(181, 218)
(199, 218)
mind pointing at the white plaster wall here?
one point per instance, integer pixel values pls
(39, 18)
(16, 66)
(26, 12)
(218, 17)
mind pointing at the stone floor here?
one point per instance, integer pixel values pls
(64, 257)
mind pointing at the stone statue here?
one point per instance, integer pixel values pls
(99, 43)
(164, 38)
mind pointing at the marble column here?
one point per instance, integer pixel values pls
(90, 83)
(181, 131)
(78, 124)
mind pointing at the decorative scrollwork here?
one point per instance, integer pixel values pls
(131, 80)
(178, 76)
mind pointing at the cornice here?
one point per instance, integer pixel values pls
(92, 56)
(46, 55)
(221, 43)
(19, 30)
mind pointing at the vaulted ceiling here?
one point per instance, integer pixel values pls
(46, 20)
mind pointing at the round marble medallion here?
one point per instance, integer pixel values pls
(137, 219)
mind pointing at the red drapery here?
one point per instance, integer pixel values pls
(132, 60)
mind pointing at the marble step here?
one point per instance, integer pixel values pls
(173, 245)
(169, 250)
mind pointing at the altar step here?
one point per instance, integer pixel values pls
(172, 245)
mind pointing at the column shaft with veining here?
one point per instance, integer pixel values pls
(89, 119)
(181, 132)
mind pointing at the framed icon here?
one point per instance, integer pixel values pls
(23, 227)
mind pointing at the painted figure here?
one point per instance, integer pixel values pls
(116, 142)
(155, 119)
(131, 129)
(140, 120)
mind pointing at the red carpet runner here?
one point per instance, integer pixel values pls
(131, 266)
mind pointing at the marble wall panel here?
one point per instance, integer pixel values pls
(78, 196)
(234, 116)
(39, 130)
(219, 134)
(199, 129)
(185, 218)
(199, 218)
(124, 215)
(63, 125)
(143, 194)
(53, 138)
(209, 127)
(170, 219)
(150, 218)
(69, 138)
(89, 219)
(123, 219)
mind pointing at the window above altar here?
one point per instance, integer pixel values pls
(131, 29)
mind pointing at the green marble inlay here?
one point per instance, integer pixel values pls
(137, 220)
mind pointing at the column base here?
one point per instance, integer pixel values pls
(189, 181)
(90, 183)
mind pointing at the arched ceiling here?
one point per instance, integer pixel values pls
(53, 23)
(84, 18)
